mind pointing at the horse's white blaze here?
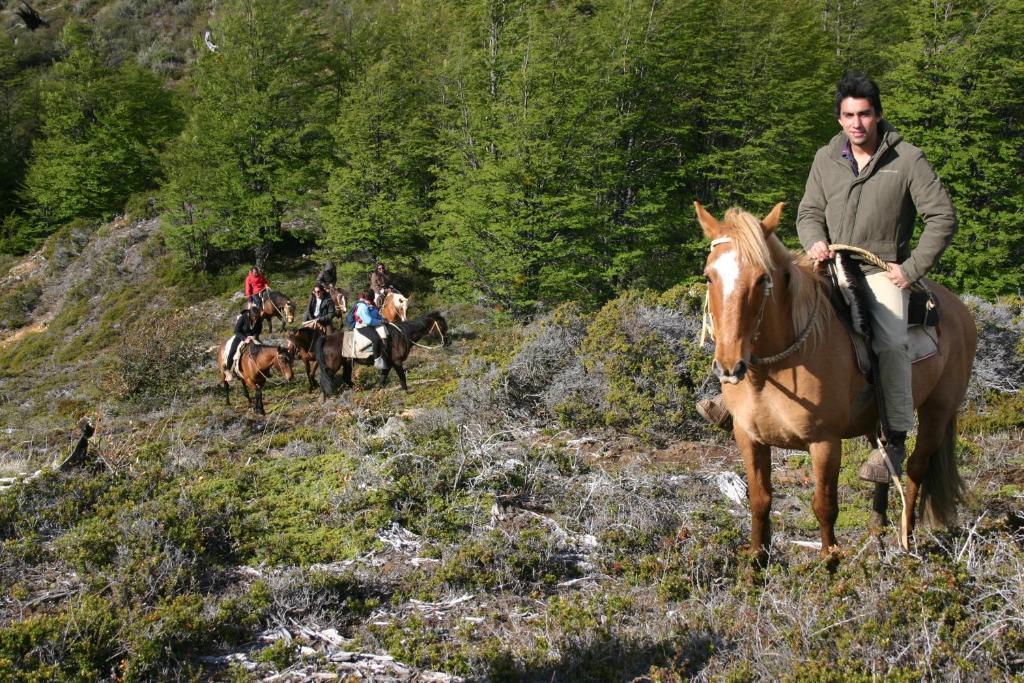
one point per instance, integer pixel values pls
(728, 269)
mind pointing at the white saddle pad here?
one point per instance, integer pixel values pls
(355, 345)
(233, 362)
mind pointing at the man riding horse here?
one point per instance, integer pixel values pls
(328, 277)
(864, 190)
(255, 284)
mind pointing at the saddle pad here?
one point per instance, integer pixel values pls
(355, 345)
(234, 361)
(922, 341)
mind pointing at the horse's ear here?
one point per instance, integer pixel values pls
(712, 228)
(770, 222)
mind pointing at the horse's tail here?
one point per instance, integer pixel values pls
(323, 376)
(942, 490)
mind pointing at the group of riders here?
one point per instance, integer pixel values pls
(363, 317)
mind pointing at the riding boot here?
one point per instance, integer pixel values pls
(874, 468)
(379, 361)
(714, 411)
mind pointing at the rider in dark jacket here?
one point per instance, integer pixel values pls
(328, 277)
(248, 327)
(321, 308)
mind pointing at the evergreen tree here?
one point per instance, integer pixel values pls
(256, 144)
(956, 93)
(101, 133)
(378, 192)
(19, 100)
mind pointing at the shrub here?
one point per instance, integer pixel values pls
(157, 352)
(17, 305)
(646, 350)
(999, 362)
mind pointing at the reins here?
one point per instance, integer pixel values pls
(416, 343)
(874, 260)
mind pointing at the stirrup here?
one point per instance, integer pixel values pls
(875, 468)
(714, 411)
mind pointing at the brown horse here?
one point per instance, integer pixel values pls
(402, 336)
(274, 305)
(300, 343)
(394, 307)
(790, 379)
(255, 365)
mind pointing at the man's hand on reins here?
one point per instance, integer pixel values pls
(820, 251)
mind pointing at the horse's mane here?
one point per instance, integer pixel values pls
(768, 254)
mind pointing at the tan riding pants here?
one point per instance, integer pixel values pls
(888, 306)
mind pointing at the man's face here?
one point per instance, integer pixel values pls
(859, 121)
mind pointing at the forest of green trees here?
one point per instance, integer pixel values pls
(519, 152)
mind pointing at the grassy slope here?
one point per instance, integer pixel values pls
(200, 529)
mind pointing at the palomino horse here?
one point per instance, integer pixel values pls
(300, 343)
(274, 305)
(255, 365)
(394, 307)
(340, 300)
(402, 336)
(790, 379)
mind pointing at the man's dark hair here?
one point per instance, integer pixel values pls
(861, 87)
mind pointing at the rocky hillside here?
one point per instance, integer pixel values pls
(541, 506)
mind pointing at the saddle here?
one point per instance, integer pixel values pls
(234, 363)
(847, 296)
(355, 345)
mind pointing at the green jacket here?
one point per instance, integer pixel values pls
(876, 209)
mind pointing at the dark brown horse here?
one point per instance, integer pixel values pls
(274, 305)
(790, 379)
(402, 336)
(300, 343)
(255, 365)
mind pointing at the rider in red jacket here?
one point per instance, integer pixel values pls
(255, 282)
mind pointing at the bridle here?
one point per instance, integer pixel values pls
(436, 325)
(769, 287)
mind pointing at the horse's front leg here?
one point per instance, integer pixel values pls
(384, 377)
(245, 392)
(825, 457)
(758, 460)
(309, 373)
(400, 371)
(227, 392)
(259, 401)
(270, 324)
